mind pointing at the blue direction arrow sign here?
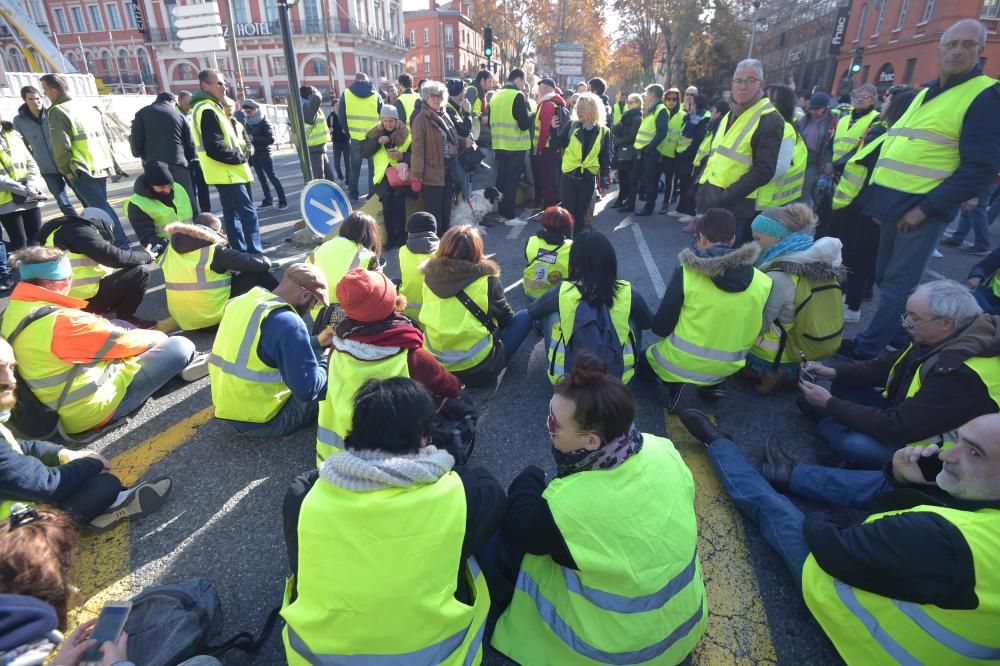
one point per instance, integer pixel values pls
(324, 206)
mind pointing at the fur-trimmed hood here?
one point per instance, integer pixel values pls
(731, 269)
(397, 136)
(446, 276)
(822, 261)
(186, 238)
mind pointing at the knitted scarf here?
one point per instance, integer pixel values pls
(609, 456)
(367, 471)
(797, 242)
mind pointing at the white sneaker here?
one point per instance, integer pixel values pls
(936, 254)
(196, 369)
(141, 500)
(851, 316)
(686, 219)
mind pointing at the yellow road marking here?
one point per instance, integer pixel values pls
(105, 559)
(738, 632)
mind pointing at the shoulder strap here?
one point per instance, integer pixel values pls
(30, 319)
(245, 641)
(546, 252)
(477, 312)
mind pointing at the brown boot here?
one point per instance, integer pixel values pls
(769, 381)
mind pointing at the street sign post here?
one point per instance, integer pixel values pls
(569, 70)
(199, 27)
(324, 206)
(568, 60)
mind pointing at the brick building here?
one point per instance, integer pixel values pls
(443, 42)
(900, 38)
(793, 42)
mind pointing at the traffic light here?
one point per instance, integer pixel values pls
(488, 42)
(856, 61)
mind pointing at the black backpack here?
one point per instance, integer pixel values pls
(594, 333)
(455, 427)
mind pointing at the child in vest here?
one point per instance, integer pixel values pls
(547, 252)
(421, 244)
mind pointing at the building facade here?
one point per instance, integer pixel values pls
(793, 42)
(900, 38)
(443, 44)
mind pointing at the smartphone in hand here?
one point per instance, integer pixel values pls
(109, 627)
(806, 376)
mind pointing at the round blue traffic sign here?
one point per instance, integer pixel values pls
(324, 206)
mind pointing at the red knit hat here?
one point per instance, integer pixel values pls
(366, 295)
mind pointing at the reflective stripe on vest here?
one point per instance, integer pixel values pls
(14, 158)
(647, 129)
(732, 154)
(849, 133)
(412, 286)
(704, 148)
(506, 133)
(382, 160)
(215, 172)
(675, 126)
(90, 148)
(87, 273)
(922, 148)
(335, 258)
(317, 133)
(161, 213)
(573, 157)
(408, 100)
(548, 265)
(196, 295)
(685, 141)
(361, 112)
(787, 188)
(456, 338)
(853, 179)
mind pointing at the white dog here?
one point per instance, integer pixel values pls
(480, 204)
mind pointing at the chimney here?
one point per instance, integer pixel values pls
(432, 4)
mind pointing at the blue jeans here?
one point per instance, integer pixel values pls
(4, 267)
(57, 186)
(159, 365)
(849, 488)
(295, 414)
(901, 261)
(976, 220)
(858, 449)
(987, 300)
(93, 192)
(240, 219)
(779, 520)
(515, 332)
(510, 166)
(263, 164)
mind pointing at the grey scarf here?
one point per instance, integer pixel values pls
(366, 471)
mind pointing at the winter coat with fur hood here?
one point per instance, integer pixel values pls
(185, 238)
(822, 261)
(731, 270)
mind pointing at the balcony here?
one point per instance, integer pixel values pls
(266, 29)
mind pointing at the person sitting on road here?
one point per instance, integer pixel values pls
(155, 203)
(984, 281)
(375, 341)
(592, 300)
(273, 390)
(916, 581)
(358, 244)
(381, 540)
(804, 315)
(201, 272)
(547, 252)
(107, 277)
(948, 375)
(81, 483)
(469, 326)
(421, 244)
(387, 144)
(89, 370)
(581, 543)
(712, 311)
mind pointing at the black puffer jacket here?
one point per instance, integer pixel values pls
(160, 133)
(625, 132)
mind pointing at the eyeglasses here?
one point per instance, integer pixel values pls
(908, 318)
(745, 82)
(965, 45)
(555, 428)
(671, 98)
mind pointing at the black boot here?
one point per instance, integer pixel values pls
(778, 465)
(701, 428)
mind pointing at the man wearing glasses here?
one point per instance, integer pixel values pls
(745, 150)
(949, 374)
(224, 163)
(851, 129)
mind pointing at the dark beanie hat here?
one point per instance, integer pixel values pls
(455, 87)
(421, 221)
(157, 173)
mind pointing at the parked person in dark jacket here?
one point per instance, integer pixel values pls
(944, 378)
(648, 157)
(194, 165)
(261, 135)
(341, 143)
(81, 483)
(626, 156)
(124, 273)
(32, 121)
(161, 134)
(458, 109)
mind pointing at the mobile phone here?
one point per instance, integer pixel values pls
(930, 466)
(109, 627)
(805, 375)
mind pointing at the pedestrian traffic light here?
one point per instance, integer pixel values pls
(488, 42)
(856, 61)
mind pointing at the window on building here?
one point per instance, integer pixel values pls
(881, 16)
(427, 36)
(270, 13)
(991, 9)
(317, 67)
(928, 11)
(96, 20)
(106, 63)
(861, 23)
(123, 60)
(378, 14)
(901, 19)
(449, 63)
(16, 61)
(79, 25)
(145, 67)
(366, 65)
(382, 70)
(241, 12)
(60, 16)
(413, 63)
(449, 35)
(73, 59)
(91, 62)
(413, 38)
(911, 65)
(394, 19)
(186, 72)
(130, 17)
(250, 66)
(114, 17)
(311, 11)
(37, 12)
(427, 63)
(278, 65)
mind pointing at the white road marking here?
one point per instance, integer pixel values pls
(506, 289)
(647, 258)
(515, 232)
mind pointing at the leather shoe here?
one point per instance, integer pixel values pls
(778, 465)
(701, 428)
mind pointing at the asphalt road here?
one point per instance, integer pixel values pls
(224, 521)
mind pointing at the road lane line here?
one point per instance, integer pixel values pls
(516, 284)
(104, 568)
(738, 631)
(647, 258)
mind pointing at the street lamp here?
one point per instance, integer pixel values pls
(294, 103)
(753, 29)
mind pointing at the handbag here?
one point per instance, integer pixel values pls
(398, 175)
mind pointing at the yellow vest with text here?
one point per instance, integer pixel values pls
(14, 157)
(562, 332)
(6, 504)
(573, 157)
(986, 367)
(412, 285)
(637, 594)
(849, 133)
(335, 258)
(787, 188)
(868, 628)
(647, 128)
(506, 133)
(90, 147)
(161, 213)
(382, 160)
(675, 128)
(196, 295)
(732, 154)
(361, 112)
(922, 147)
(714, 332)
(855, 175)
(215, 172)
(87, 273)
(548, 265)
(452, 334)
(95, 389)
(408, 100)
(376, 579)
(244, 388)
(347, 374)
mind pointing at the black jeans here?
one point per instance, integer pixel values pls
(342, 155)
(668, 166)
(92, 498)
(860, 236)
(198, 180)
(122, 291)
(510, 166)
(291, 507)
(626, 184)
(650, 177)
(394, 216)
(263, 164)
(183, 178)
(241, 283)
(577, 192)
(437, 201)
(21, 227)
(685, 179)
